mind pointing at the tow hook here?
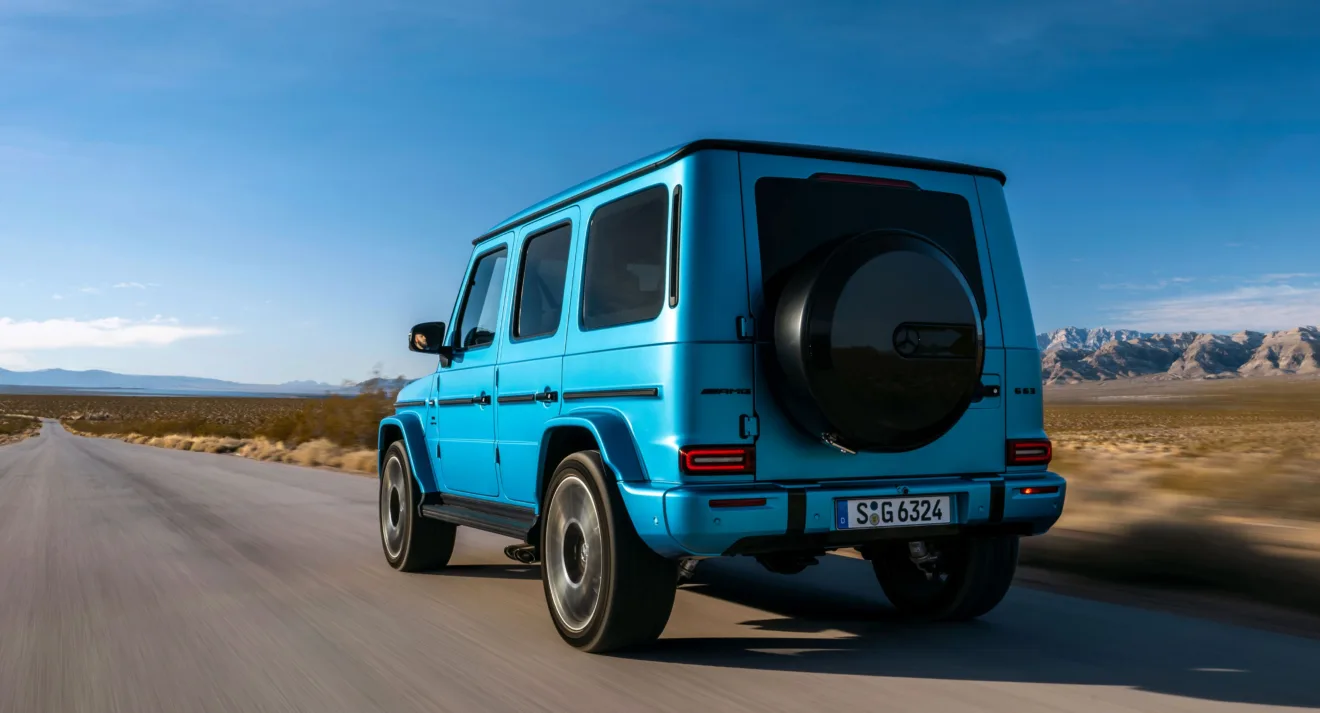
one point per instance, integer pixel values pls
(686, 568)
(923, 558)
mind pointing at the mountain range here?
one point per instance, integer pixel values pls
(1074, 354)
(1068, 355)
(109, 381)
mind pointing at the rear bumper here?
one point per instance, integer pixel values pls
(678, 521)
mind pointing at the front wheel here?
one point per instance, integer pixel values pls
(412, 543)
(959, 578)
(605, 588)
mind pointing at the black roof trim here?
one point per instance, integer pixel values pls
(761, 147)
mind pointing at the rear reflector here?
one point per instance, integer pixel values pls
(738, 503)
(1029, 452)
(868, 180)
(717, 460)
(1039, 490)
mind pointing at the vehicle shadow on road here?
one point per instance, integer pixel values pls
(833, 618)
(490, 571)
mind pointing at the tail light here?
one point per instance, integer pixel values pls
(1034, 451)
(717, 460)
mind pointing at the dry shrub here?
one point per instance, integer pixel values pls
(345, 421)
(13, 425)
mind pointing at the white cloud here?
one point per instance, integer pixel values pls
(13, 360)
(90, 290)
(18, 336)
(57, 297)
(130, 286)
(1266, 307)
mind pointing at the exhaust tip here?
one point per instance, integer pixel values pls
(525, 554)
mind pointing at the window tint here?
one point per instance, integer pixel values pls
(541, 283)
(481, 305)
(795, 217)
(624, 273)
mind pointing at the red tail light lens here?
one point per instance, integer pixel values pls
(868, 180)
(717, 460)
(1040, 490)
(1029, 452)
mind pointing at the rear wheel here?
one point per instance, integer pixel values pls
(412, 543)
(959, 579)
(606, 590)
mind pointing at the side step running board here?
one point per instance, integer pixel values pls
(500, 518)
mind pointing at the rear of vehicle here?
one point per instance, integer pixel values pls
(890, 395)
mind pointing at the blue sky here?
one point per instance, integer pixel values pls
(277, 190)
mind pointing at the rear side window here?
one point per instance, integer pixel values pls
(624, 271)
(541, 283)
(797, 216)
(481, 305)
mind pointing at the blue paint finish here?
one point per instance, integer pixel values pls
(1042, 510)
(612, 433)
(702, 530)
(692, 527)
(466, 436)
(1017, 326)
(974, 445)
(409, 423)
(645, 503)
(530, 366)
(700, 380)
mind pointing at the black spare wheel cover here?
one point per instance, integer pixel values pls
(878, 342)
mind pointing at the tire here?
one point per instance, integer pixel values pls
(973, 575)
(617, 595)
(412, 543)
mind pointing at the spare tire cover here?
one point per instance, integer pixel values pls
(878, 342)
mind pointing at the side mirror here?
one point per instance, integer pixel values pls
(428, 338)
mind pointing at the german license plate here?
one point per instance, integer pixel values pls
(869, 513)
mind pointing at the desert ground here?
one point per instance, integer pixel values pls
(1191, 485)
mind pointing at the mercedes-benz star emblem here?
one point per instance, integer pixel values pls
(906, 341)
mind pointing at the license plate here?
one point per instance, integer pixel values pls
(869, 513)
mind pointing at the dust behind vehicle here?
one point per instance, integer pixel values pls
(734, 348)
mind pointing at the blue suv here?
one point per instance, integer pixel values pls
(734, 348)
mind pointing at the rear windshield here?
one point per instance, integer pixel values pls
(795, 216)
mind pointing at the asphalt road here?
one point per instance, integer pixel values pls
(141, 579)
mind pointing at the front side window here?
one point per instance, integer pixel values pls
(541, 283)
(624, 271)
(481, 305)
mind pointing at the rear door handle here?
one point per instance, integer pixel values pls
(482, 400)
(548, 396)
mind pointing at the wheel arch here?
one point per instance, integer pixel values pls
(598, 429)
(407, 427)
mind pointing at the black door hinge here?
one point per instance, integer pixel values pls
(748, 427)
(746, 328)
(497, 455)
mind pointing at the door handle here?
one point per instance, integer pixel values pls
(482, 400)
(547, 396)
